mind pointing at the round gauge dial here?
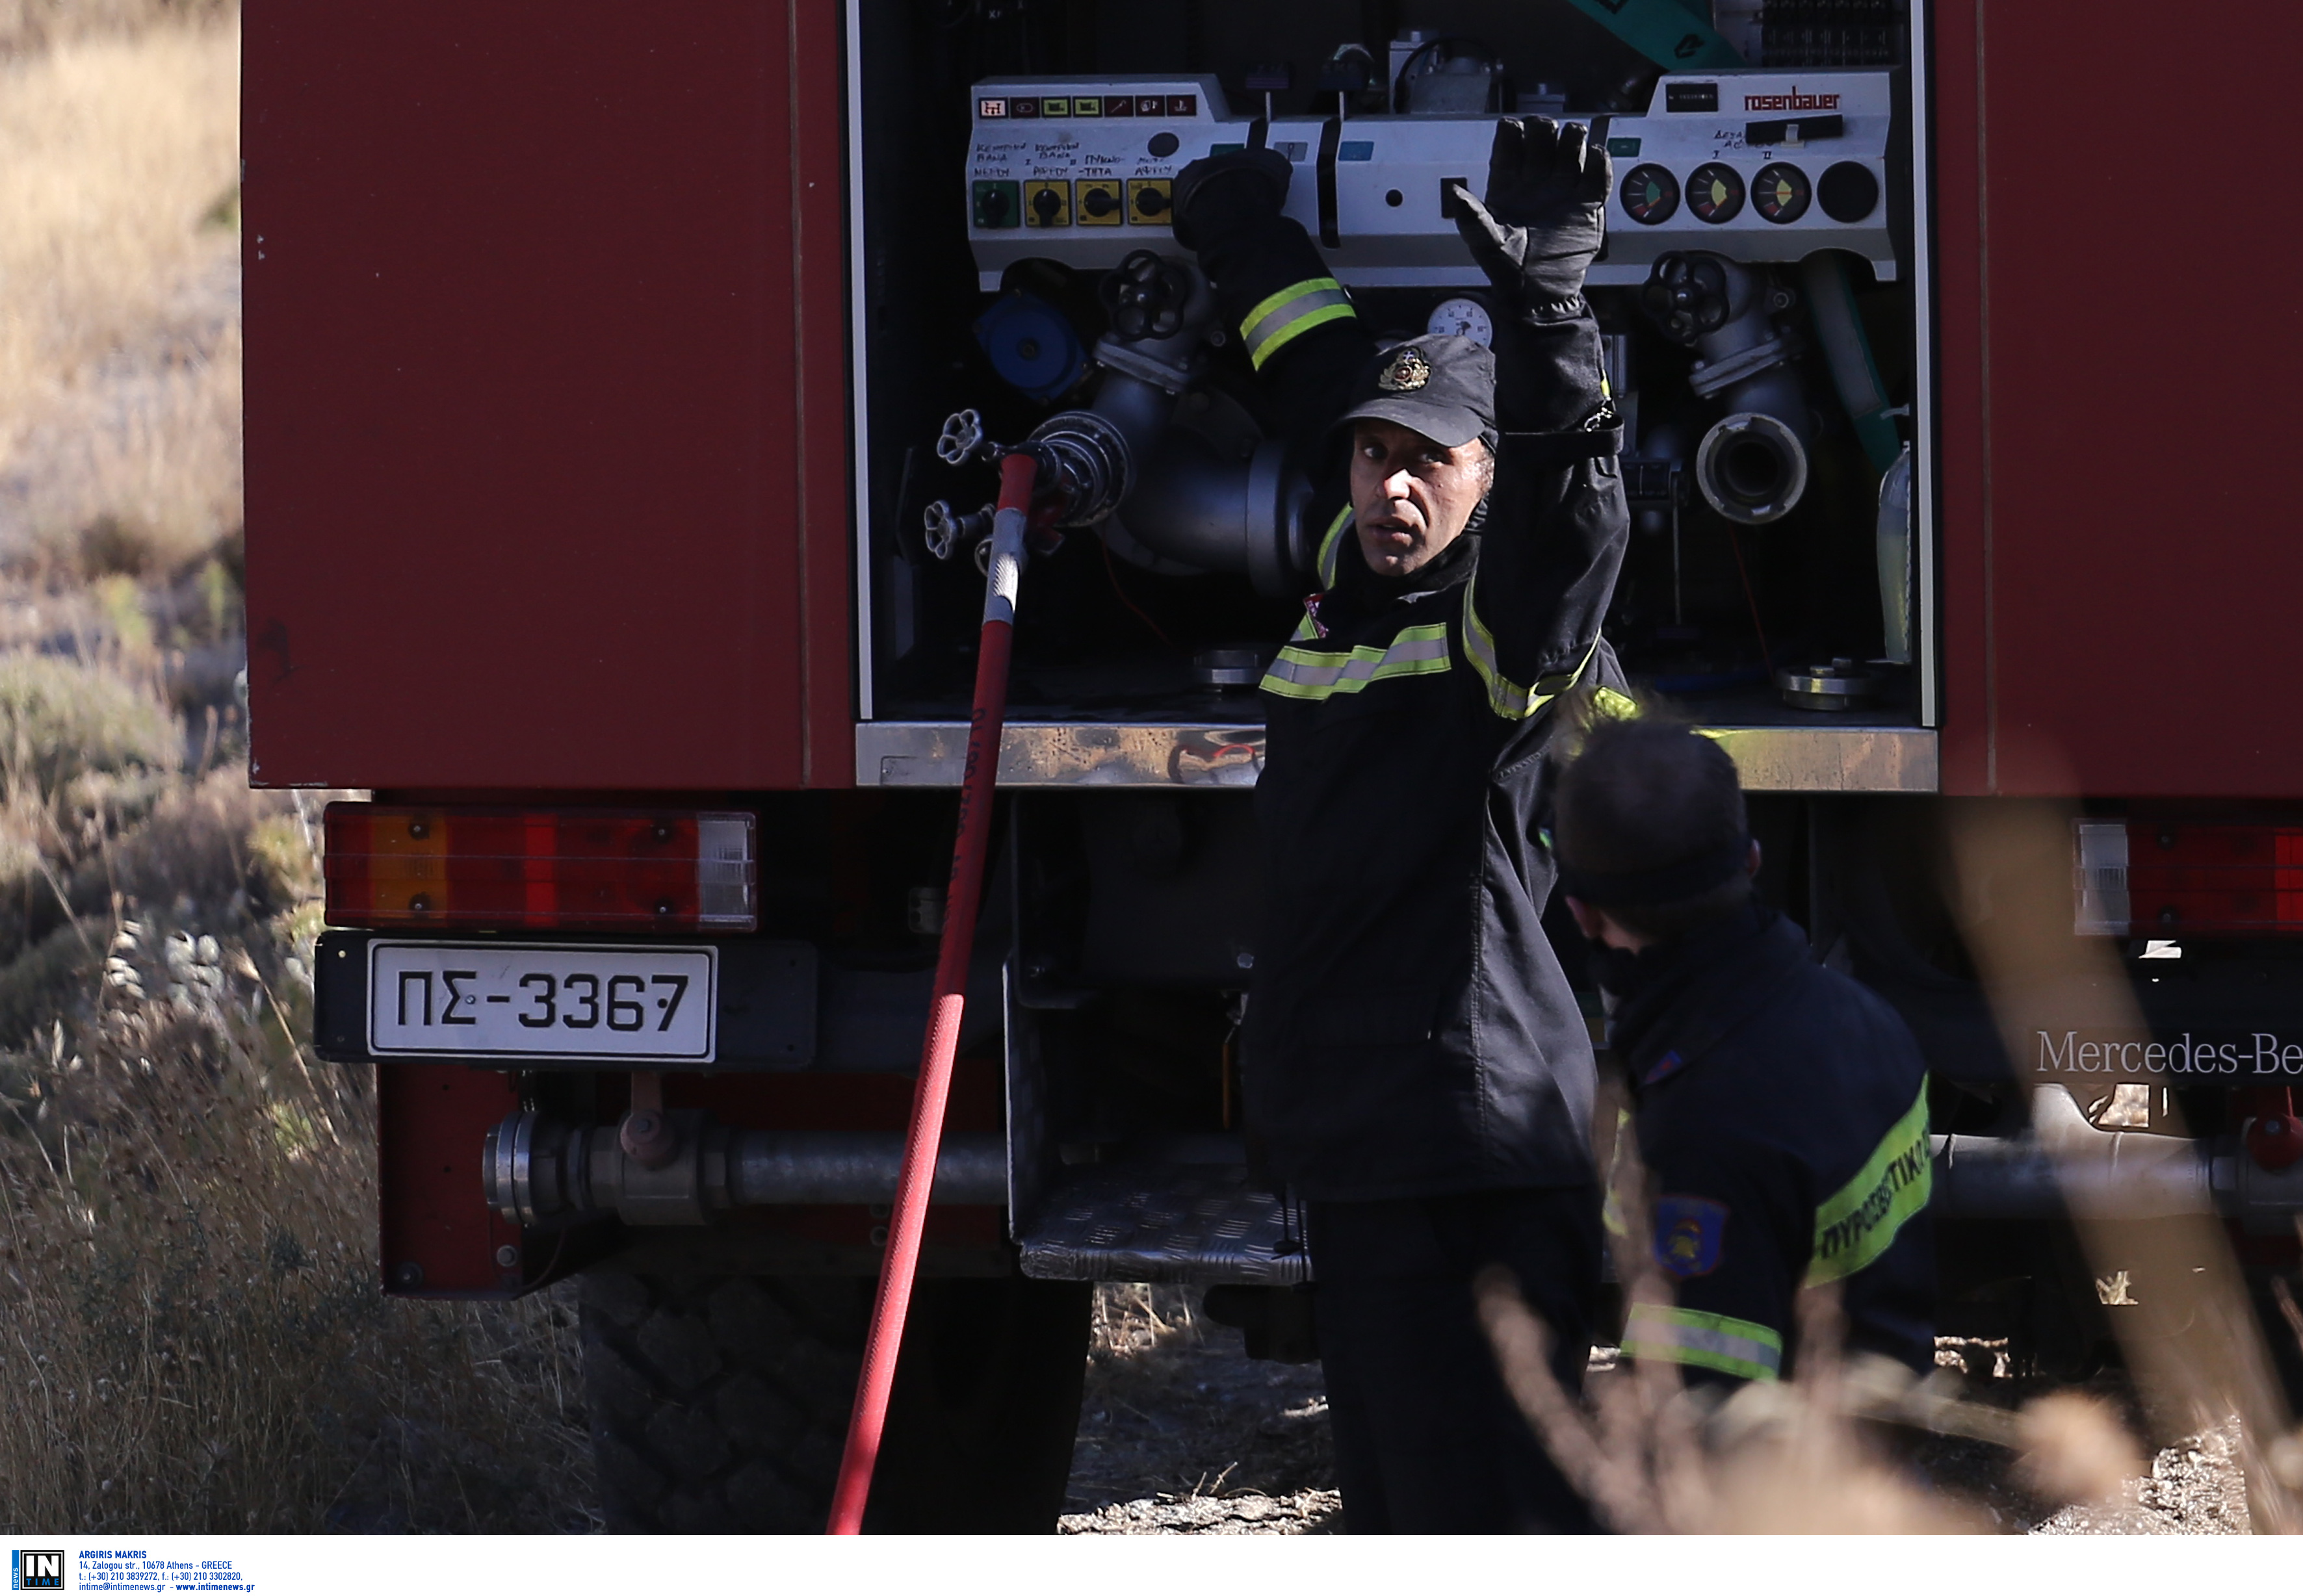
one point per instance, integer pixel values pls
(1463, 318)
(1781, 192)
(1850, 192)
(1650, 194)
(1715, 192)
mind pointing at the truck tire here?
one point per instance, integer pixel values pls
(719, 1403)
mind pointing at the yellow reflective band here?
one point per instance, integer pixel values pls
(1859, 1222)
(1295, 329)
(1317, 673)
(1289, 314)
(1611, 1211)
(1285, 297)
(1735, 1347)
(1331, 546)
(1614, 705)
(1506, 697)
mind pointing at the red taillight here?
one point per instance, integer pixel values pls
(2145, 877)
(577, 869)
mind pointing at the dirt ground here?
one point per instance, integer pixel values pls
(1182, 1434)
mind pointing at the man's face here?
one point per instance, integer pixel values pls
(1410, 496)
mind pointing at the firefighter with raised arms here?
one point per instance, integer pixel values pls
(1416, 1067)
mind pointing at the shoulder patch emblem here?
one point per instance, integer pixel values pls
(1689, 1232)
(1664, 1068)
(1407, 372)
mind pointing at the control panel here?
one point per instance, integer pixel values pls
(1756, 166)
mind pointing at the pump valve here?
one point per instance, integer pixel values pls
(963, 440)
(949, 531)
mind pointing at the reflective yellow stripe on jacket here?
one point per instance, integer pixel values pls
(1700, 1341)
(1331, 549)
(1859, 1222)
(1506, 697)
(1310, 673)
(1289, 314)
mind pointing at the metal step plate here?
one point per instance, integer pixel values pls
(1166, 1225)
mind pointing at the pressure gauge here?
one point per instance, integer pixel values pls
(1781, 193)
(1715, 192)
(1650, 194)
(1463, 317)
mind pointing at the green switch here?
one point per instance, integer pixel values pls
(999, 204)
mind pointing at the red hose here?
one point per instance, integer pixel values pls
(977, 782)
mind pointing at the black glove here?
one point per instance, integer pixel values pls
(1545, 215)
(1216, 195)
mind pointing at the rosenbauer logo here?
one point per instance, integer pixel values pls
(2262, 1053)
(1793, 101)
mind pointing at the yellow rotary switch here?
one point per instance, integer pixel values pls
(1047, 204)
(1150, 203)
(1099, 202)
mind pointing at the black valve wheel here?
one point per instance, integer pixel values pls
(1686, 295)
(1144, 296)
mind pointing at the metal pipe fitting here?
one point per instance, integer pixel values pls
(1095, 455)
(1213, 513)
(1162, 498)
(1752, 466)
(1089, 462)
(536, 1169)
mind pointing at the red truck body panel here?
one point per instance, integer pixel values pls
(548, 476)
(2121, 556)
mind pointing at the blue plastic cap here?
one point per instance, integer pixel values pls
(1032, 346)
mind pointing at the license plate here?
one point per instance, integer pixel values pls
(539, 1001)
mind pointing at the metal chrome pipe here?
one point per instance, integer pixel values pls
(1993, 1177)
(840, 1166)
(2067, 1163)
(536, 1169)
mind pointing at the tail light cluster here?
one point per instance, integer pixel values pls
(2146, 877)
(413, 867)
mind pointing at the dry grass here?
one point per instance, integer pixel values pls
(27, 27)
(119, 324)
(191, 1334)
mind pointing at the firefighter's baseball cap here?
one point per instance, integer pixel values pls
(1439, 385)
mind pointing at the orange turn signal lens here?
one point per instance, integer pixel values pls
(404, 868)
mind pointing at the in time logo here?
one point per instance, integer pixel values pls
(36, 1570)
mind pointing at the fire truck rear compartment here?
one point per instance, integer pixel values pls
(1764, 362)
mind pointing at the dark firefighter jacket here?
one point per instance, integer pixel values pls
(1783, 1117)
(1410, 1031)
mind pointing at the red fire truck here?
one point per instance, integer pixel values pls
(618, 379)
